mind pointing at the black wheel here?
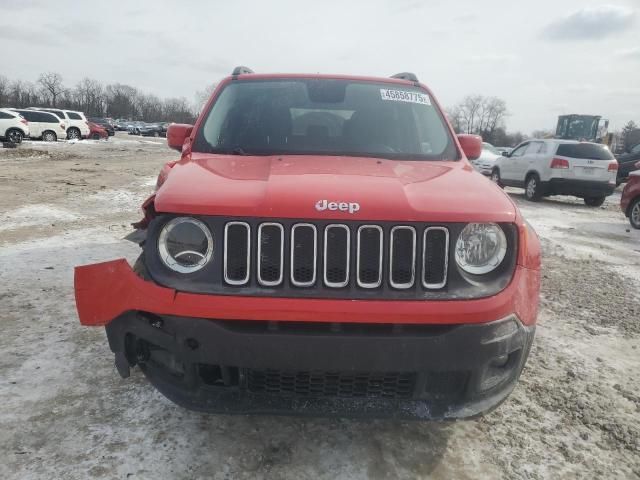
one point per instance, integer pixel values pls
(49, 136)
(495, 177)
(15, 136)
(73, 134)
(634, 213)
(533, 188)
(156, 134)
(95, 136)
(594, 201)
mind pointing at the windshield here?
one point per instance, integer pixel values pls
(327, 117)
(578, 127)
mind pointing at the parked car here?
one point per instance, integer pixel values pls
(487, 159)
(150, 130)
(559, 167)
(323, 264)
(627, 163)
(104, 123)
(43, 125)
(630, 200)
(97, 132)
(121, 125)
(76, 123)
(13, 126)
(133, 128)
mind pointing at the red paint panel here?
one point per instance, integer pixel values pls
(106, 290)
(290, 186)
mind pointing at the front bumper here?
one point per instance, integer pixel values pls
(578, 188)
(427, 372)
(402, 359)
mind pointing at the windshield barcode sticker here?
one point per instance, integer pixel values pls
(404, 96)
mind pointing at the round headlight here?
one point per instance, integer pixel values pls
(481, 247)
(185, 244)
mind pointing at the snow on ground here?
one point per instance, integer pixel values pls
(37, 214)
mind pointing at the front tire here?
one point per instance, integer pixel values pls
(15, 136)
(594, 201)
(73, 134)
(533, 188)
(495, 177)
(49, 137)
(95, 136)
(634, 213)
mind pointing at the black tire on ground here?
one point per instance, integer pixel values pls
(634, 213)
(14, 136)
(594, 201)
(73, 134)
(495, 177)
(95, 136)
(533, 188)
(49, 136)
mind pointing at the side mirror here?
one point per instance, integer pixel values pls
(177, 133)
(505, 154)
(471, 145)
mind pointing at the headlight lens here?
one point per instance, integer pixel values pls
(185, 244)
(480, 248)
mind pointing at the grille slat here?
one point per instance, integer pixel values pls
(369, 256)
(402, 255)
(381, 258)
(270, 254)
(237, 248)
(337, 255)
(435, 257)
(304, 254)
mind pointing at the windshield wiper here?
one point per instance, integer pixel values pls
(238, 151)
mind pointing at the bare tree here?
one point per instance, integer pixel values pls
(202, 96)
(88, 96)
(52, 86)
(4, 91)
(92, 97)
(479, 115)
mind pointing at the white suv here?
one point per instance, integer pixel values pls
(13, 128)
(559, 167)
(75, 122)
(43, 125)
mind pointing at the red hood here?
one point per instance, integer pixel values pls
(290, 187)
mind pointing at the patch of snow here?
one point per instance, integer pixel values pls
(36, 215)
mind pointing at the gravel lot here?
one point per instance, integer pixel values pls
(65, 413)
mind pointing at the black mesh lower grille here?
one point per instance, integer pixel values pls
(236, 253)
(303, 244)
(435, 256)
(332, 384)
(336, 255)
(402, 260)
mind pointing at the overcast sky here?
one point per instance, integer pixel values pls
(568, 56)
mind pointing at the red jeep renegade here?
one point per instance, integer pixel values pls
(323, 247)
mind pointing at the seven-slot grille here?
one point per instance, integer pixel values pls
(336, 256)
